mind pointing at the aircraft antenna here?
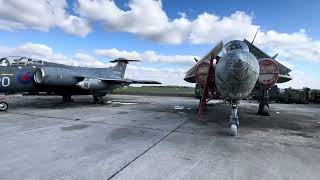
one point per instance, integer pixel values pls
(255, 36)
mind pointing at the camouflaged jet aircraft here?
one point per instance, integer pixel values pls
(22, 74)
(241, 69)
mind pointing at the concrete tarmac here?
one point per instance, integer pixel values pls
(149, 137)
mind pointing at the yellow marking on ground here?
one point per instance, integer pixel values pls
(6, 74)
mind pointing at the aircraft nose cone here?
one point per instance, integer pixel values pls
(238, 64)
(236, 74)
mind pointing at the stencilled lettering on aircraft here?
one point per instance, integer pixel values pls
(5, 81)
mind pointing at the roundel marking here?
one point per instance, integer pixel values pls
(24, 77)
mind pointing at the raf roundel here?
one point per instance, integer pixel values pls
(24, 77)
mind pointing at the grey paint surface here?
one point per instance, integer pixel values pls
(144, 137)
(23, 74)
(236, 74)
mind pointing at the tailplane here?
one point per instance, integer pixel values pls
(120, 67)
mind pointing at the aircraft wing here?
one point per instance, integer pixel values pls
(190, 74)
(128, 81)
(144, 82)
(260, 54)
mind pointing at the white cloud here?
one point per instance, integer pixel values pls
(40, 15)
(115, 53)
(209, 28)
(145, 18)
(287, 64)
(148, 56)
(81, 59)
(44, 52)
(295, 46)
(301, 79)
(34, 50)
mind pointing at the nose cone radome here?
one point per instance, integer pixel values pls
(236, 74)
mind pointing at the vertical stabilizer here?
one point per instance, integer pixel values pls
(120, 68)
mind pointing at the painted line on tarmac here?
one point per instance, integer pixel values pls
(144, 152)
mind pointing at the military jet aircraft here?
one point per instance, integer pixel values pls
(241, 69)
(23, 74)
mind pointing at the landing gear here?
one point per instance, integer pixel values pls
(3, 106)
(67, 98)
(98, 99)
(264, 104)
(234, 120)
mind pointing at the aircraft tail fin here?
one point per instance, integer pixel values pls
(120, 67)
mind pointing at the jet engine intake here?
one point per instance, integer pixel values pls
(201, 72)
(269, 72)
(55, 76)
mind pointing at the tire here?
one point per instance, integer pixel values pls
(3, 106)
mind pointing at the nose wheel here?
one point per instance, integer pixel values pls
(233, 130)
(234, 120)
(3, 106)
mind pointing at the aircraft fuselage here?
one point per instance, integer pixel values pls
(17, 79)
(236, 74)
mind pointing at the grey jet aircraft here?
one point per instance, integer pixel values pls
(23, 74)
(241, 69)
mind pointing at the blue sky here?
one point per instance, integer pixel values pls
(288, 27)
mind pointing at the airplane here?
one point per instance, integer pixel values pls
(242, 69)
(24, 74)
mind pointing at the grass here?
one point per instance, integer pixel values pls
(156, 90)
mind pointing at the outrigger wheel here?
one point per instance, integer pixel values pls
(3, 106)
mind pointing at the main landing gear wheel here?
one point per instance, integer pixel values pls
(98, 100)
(264, 104)
(66, 98)
(263, 109)
(234, 120)
(3, 106)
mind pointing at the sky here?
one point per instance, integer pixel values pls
(165, 35)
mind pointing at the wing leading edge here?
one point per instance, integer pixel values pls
(190, 74)
(283, 70)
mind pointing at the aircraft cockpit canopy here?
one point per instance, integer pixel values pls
(235, 45)
(19, 61)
